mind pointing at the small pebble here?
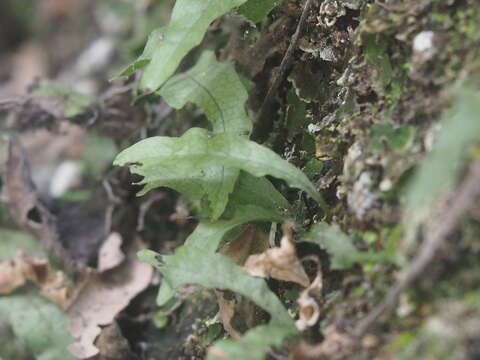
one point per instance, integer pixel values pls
(424, 45)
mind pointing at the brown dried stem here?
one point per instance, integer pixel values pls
(286, 61)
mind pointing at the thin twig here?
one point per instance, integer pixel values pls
(459, 203)
(8, 103)
(286, 61)
(145, 207)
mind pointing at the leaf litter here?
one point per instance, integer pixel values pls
(308, 302)
(53, 284)
(280, 263)
(99, 293)
(235, 312)
(102, 297)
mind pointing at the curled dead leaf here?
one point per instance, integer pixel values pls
(28, 210)
(335, 346)
(251, 241)
(11, 277)
(309, 309)
(73, 231)
(110, 254)
(103, 297)
(280, 263)
(113, 345)
(236, 317)
(52, 283)
(226, 308)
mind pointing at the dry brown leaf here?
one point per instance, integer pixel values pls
(113, 345)
(73, 231)
(103, 297)
(309, 310)
(11, 277)
(84, 347)
(30, 62)
(251, 241)
(226, 308)
(280, 263)
(110, 254)
(57, 290)
(335, 346)
(25, 204)
(52, 283)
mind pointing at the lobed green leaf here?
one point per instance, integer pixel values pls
(191, 265)
(207, 236)
(198, 265)
(217, 89)
(164, 161)
(196, 262)
(259, 191)
(176, 163)
(256, 342)
(168, 45)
